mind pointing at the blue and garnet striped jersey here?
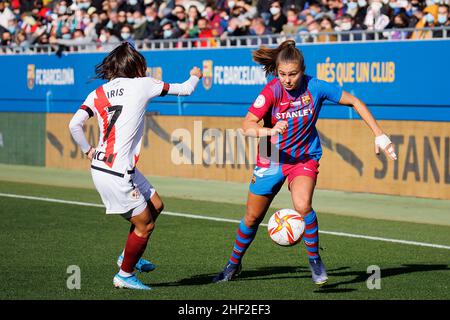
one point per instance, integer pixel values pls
(300, 108)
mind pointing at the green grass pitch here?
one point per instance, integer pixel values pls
(40, 240)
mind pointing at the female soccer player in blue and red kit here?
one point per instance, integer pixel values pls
(290, 105)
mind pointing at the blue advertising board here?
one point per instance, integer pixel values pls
(398, 80)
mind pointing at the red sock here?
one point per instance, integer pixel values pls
(134, 249)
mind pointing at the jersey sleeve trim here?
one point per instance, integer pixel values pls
(165, 89)
(88, 110)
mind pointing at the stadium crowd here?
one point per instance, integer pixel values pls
(108, 22)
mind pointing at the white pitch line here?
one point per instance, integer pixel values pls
(192, 216)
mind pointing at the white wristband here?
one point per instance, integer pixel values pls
(382, 141)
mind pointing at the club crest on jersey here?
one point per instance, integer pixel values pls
(31, 76)
(135, 194)
(306, 100)
(207, 74)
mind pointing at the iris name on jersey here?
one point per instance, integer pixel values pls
(114, 93)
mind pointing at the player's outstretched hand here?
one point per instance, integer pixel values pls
(383, 142)
(195, 71)
(279, 128)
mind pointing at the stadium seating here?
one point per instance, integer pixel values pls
(79, 23)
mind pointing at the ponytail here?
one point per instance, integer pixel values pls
(285, 52)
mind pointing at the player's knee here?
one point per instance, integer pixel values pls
(252, 220)
(303, 207)
(146, 230)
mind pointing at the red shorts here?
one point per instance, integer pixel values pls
(309, 168)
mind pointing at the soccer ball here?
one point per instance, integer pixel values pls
(286, 227)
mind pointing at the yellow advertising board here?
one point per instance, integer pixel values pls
(215, 148)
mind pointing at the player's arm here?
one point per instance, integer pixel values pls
(260, 107)
(381, 139)
(186, 88)
(252, 128)
(76, 130)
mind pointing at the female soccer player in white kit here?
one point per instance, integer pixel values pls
(120, 106)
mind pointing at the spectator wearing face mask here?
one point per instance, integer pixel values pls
(432, 7)
(107, 40)
(351, 8)
(153, 23)
(169, 30)
(62, 9)
(12, 27)
(68, 39)
(277, 19)
(82, 4)
(63, 33)
(347, 23)
(411, 8)
(313, 28)
(116, 21)
(443, 15)
(442, 21)
(234, 29)
(139, 26)
(313, 9)
(126, 34)
(262, 9)
(427, 21)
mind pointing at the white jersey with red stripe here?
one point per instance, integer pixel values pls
(120, 108)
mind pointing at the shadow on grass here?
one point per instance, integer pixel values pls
(264, 273)
(362, 276)
(283, 272)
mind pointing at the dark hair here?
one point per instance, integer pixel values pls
(123, 62)
(271, 58)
